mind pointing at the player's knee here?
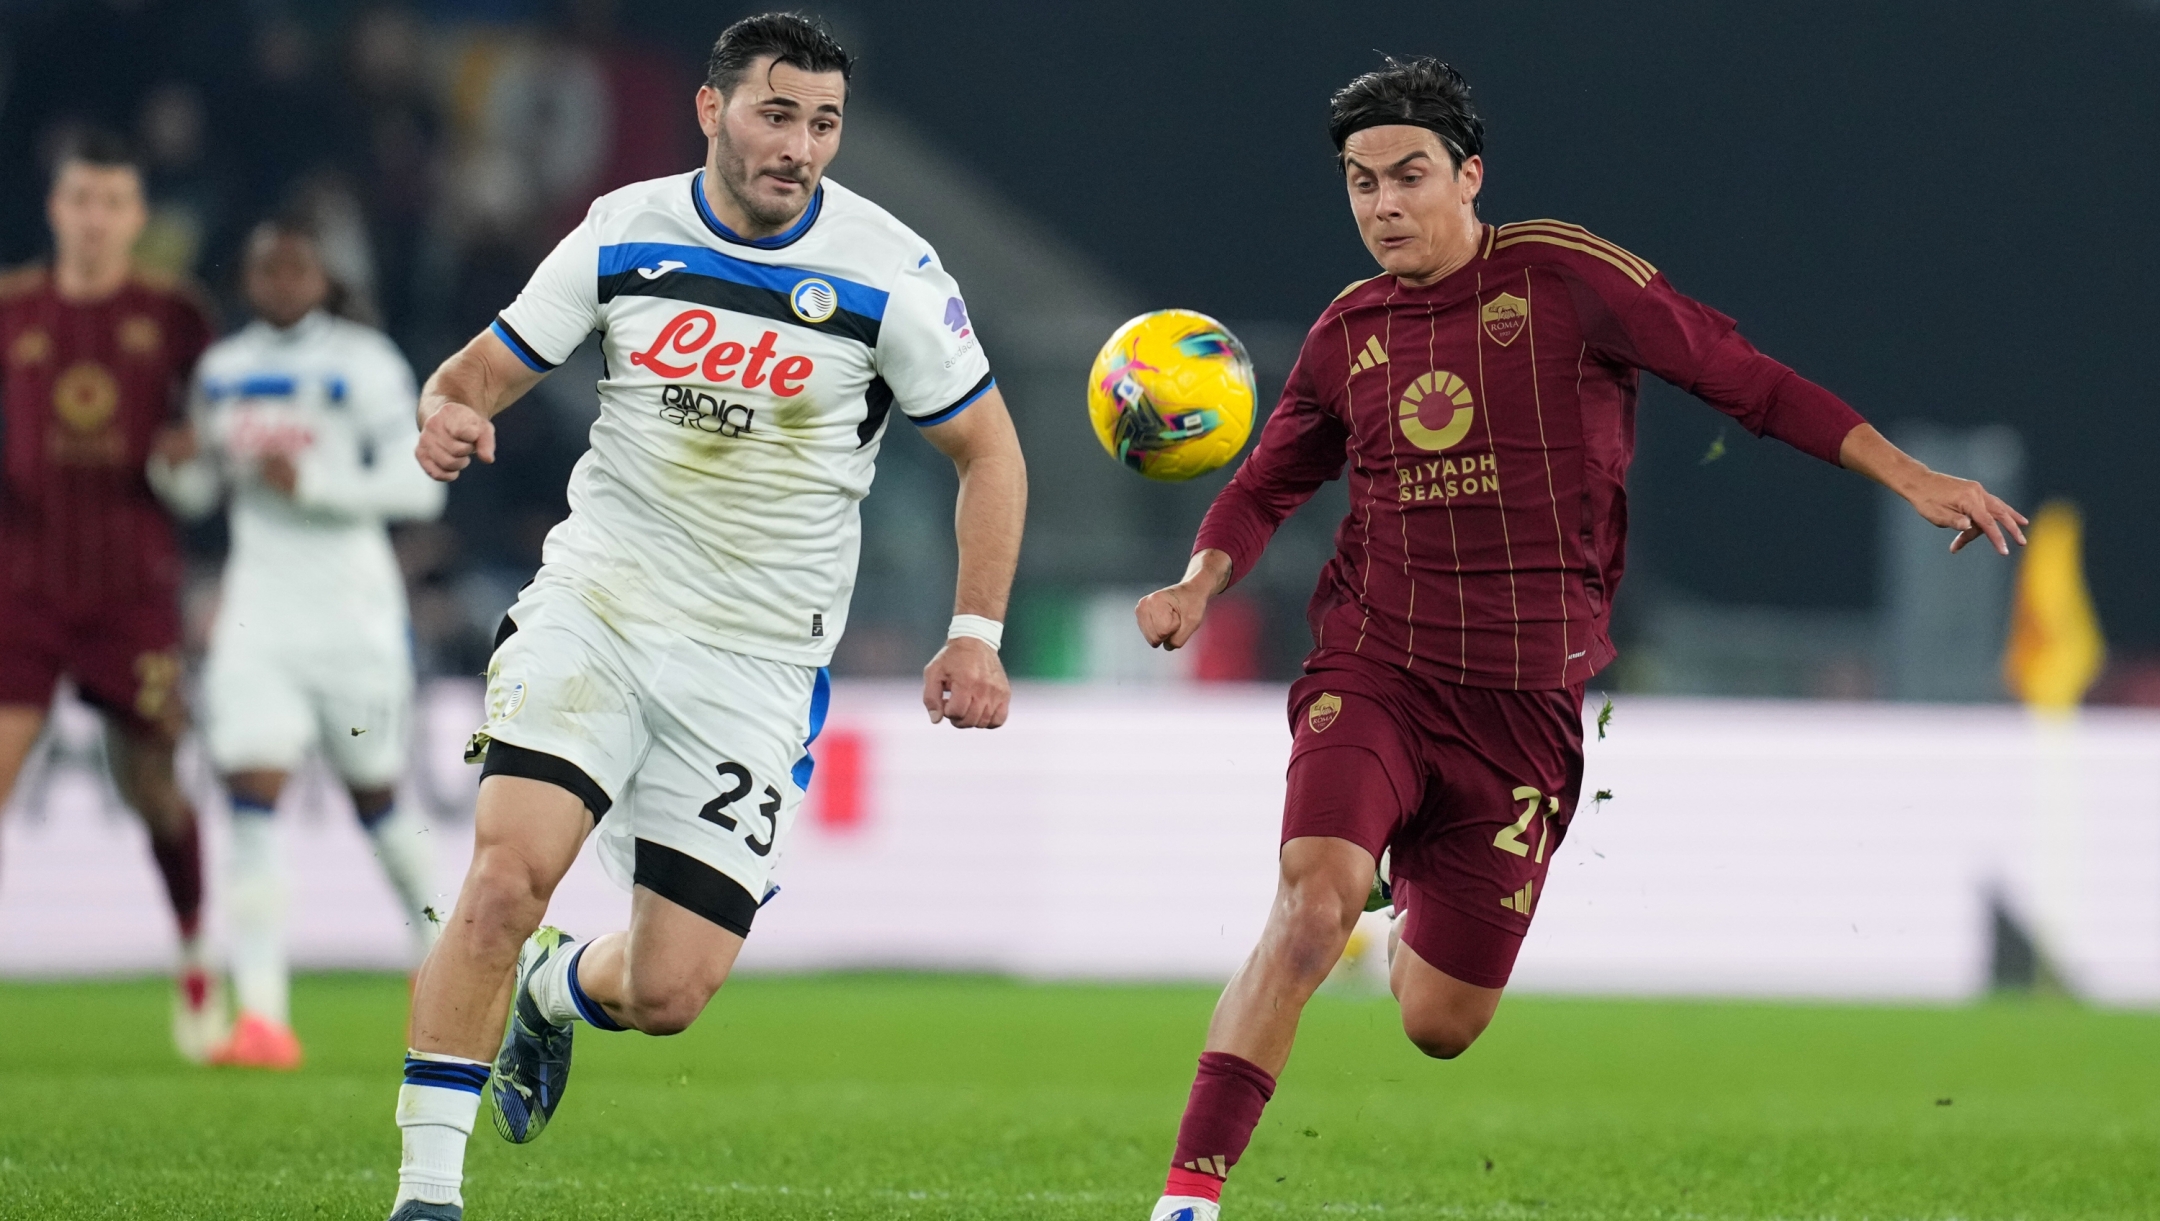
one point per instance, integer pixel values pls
(1445, 1034)
(506, 892)
(1314, 930)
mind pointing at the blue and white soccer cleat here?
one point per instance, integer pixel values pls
(533, 1066)
(421, 1210)
(1186, 1208)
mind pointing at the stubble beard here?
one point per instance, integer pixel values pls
(733, 171)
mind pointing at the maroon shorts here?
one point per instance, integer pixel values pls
(125, 659)
(1470, 789)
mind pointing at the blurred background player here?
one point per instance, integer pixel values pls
(94, 358)
(306, 419)
(1483, 393)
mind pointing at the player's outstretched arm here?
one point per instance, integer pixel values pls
(458, 405)
(965, 683)
(1946, 500)
(1169, 616)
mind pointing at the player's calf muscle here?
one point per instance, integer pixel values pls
(1443, 1034)
(663, 1011)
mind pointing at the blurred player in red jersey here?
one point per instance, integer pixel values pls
(93, 366)
(1482, 392)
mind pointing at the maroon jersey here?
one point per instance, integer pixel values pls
(84, 389)
(1488, 421)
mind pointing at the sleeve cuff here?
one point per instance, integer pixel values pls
(523, 350)
(1811, 419)
(965, 401)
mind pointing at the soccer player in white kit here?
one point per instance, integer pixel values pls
(305, 419)
(662, 676)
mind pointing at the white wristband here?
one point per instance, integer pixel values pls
(989, 631)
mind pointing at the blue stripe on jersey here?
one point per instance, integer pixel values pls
(982, 388)
(704, 261)
(253, 386)
(444, 1075)
(518, 347)
(820, 703)
(776, 241)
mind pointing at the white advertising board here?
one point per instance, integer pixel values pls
(1748, 849)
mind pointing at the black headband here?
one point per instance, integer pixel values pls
(1447, 138)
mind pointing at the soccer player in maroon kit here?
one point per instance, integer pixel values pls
(1482, 391)
(93, 367)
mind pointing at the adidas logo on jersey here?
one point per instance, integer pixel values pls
(1373, 356)
(694, 330)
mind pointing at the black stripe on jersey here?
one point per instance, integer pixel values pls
(741, 298)
(982, 386)
(879, 397)
(524, 351)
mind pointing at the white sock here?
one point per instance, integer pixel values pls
(404, 849)
(256, 904)
(435, 1111)
(551, 986)
(1185, 1208)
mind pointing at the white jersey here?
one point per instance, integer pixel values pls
(748, 386)
(338, 399)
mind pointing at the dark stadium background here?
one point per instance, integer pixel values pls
(1924, 207)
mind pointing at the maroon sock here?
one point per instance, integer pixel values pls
(1228, 1095)
(179, 859)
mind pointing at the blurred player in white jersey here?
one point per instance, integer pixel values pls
(662, 677)
(305, 419)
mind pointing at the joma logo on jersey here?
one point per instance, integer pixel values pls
(693, 331)
(685, 407)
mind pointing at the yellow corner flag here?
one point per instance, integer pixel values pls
(2055, 649)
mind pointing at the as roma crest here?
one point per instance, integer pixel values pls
(1504, 317)
(1324, 711)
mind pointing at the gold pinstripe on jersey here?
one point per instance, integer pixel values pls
(1575, 237)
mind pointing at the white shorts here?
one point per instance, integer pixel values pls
(694, 758)
(267, 699)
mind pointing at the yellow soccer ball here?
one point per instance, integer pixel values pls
(1171, 395)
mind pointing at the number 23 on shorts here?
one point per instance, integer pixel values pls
(715, 811)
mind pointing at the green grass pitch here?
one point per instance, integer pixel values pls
(876, 1096)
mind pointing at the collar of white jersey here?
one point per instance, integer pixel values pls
(792, 234)
(311, 322)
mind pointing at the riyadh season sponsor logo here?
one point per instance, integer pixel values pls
(690, 337)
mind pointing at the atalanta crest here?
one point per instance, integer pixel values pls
(1324, 711)
(814, 300)
(1504, 317)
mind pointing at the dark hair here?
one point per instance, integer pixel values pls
(794, 39)
(340, 300)
(1420, 92)
(94, 146)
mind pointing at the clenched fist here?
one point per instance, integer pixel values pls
(1169, 616)
(451, 439)
(965, 685)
